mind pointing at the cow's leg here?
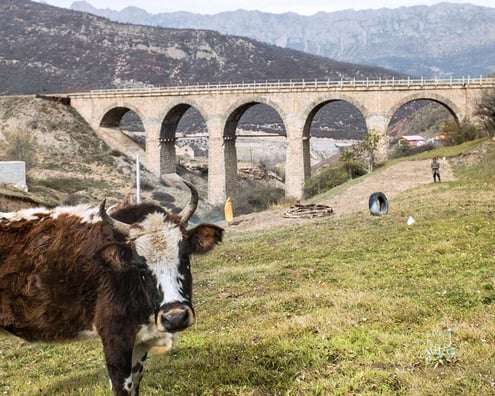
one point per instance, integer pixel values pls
(139, 355)
(118, 357)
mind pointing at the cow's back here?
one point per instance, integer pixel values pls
(49, 277)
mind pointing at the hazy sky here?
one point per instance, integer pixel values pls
(305, 7)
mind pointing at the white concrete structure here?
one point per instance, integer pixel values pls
(13, 173)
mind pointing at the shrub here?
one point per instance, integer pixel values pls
(331, 177)
(162, 197)
(115, 153)
(255, 197)
(486, 111)
(460, 133)
(406, 150)
(146, 186)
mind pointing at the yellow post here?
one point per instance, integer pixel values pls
(229, 214)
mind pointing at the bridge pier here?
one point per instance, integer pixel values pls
(378, 124)
(168, 157)
(230, 158)
(152, 161)
(216, 175)
(297, 163)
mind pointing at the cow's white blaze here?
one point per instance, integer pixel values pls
(158, 242)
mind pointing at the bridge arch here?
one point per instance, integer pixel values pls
(237, 110)
(314, 144)
(316, 104)
(449, 104)
(111, 115)
(173, 109)
(233, 116)
(234, 112)
(170, 119)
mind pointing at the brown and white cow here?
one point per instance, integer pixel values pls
(73, 272)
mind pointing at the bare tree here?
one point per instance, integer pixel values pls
(369, 146)
(486, 111)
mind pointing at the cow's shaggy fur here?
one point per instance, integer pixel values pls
(64, 273)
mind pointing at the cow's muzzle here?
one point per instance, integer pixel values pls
(173, 317)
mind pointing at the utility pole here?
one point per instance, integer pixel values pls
(138, 181)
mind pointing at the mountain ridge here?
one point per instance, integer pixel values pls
(46, 49)
(433, 41)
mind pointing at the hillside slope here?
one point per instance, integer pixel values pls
(81, 52)
(68, 163)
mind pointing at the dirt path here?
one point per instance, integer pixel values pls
(391, 181)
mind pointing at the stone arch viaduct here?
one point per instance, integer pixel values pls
(297, 102)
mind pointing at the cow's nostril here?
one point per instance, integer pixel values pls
(175, 320)
(185, 317)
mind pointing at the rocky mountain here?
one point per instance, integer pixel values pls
(431, 41)
(47, 49)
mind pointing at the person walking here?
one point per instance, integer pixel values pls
(435, 168)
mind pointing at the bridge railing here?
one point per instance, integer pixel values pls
(314, 83)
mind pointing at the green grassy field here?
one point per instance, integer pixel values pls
(359, 305)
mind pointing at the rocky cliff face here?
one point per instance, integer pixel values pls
(430, 41)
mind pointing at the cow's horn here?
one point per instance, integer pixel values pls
(115, 225)
(189, 210)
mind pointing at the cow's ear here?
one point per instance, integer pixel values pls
(204, 237)
(115, 256)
